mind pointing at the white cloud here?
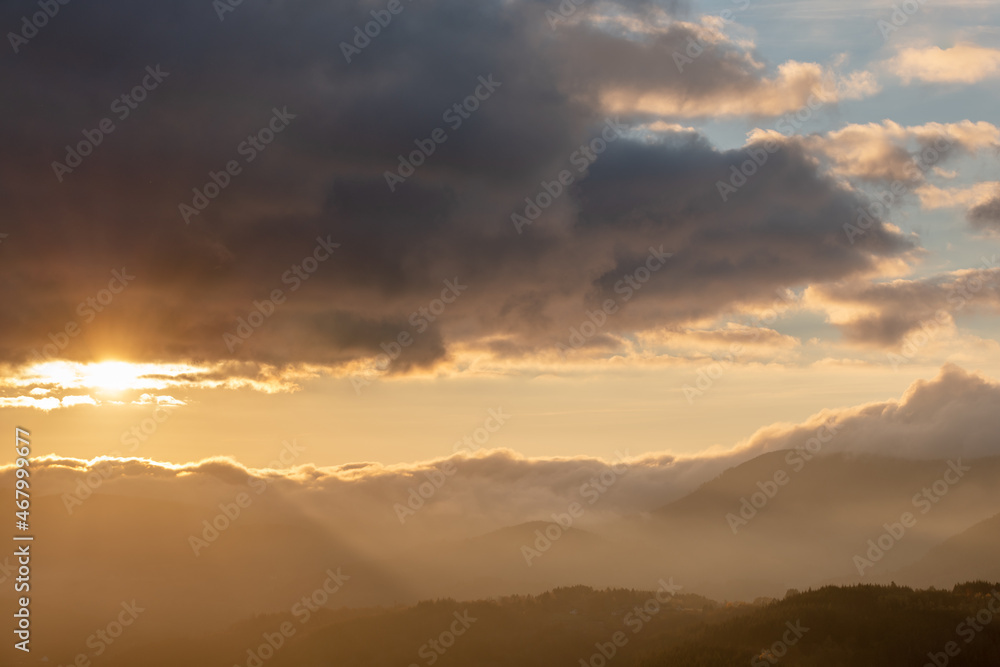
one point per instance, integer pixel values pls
(962, 63)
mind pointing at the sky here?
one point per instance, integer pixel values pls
(563, 230)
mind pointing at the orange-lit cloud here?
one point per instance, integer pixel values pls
(953, 414)
(933, 197)
(889, 151)
(963, 63)
(56, 384)
(793, 86)
(883, 314)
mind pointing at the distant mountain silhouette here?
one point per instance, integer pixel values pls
(819, 517)
(972, 554)
(817, 521)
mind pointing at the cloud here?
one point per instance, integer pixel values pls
(933, 197)
(950, 416)
(986, 214)
(201, 295)
(740, 341)
(58, 381)
(216, 525)
(963, 63)
(47, 403)
(636, 58)
(487, 490)
(150, 399)
(888, 152)
(791, 88)
(883, 314)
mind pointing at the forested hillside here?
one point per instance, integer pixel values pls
(887, 626)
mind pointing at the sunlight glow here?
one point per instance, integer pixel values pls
(110, 376)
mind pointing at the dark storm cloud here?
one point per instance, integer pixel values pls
(783, 228)
(322, 180)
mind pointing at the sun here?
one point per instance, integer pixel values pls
(111, 375)
(108, 376)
